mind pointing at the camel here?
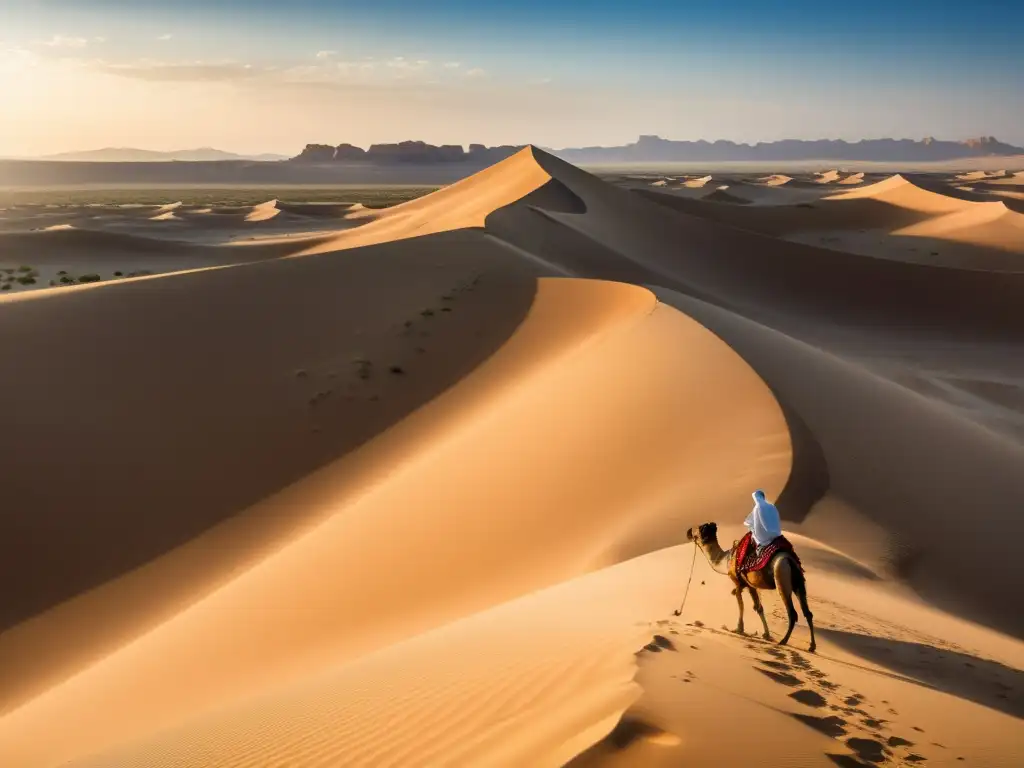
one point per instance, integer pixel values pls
(782, 573)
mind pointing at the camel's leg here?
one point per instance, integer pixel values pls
(802, 596)
(784, 583)
(760, 612)
(739, 601)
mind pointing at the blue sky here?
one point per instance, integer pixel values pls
(270, 76)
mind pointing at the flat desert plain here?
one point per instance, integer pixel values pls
(325, 484)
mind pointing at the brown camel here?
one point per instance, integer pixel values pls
(782, 573)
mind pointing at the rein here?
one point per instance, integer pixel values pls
(687, 592)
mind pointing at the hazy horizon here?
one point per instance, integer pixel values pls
(261, 77)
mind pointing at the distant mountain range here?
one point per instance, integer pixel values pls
(130, 155)
(654, 149)
(647, 149)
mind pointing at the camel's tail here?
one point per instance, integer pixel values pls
(799, 579)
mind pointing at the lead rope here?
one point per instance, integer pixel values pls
(687, 592)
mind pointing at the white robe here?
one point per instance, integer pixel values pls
(763, 521)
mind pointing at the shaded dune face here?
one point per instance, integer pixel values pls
(167, 403)
(411, 469)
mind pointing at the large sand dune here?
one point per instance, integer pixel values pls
(401, 493)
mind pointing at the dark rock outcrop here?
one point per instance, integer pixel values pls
(405, 152)
(345, 152)
(316, 153)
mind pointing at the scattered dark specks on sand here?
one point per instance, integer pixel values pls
(914, 758)
(920, 730)
(698, 623)
(301, 373)
(397, 370)
(364, 368)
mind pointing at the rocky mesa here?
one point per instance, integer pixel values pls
(412, 152)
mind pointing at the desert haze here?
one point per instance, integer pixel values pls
(326, 480)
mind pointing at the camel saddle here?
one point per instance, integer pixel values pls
(745, 557)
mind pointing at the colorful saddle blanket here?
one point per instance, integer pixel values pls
(749, 559)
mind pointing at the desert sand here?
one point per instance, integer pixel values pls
(332, 485)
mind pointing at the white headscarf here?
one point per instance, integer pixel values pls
(763, 520)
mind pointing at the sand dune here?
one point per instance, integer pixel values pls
(722, 195)
(263, 211)
(894, 218)
(696, 183)
(572, 543)
(404, 498)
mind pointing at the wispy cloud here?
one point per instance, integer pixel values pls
(166, 37)
(65, 41)
(180, 72)
(452, 64)
(324, 69)
(402, 63)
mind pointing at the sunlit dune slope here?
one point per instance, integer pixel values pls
(584, 349)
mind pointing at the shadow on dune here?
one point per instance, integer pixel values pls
(628, 732)
(957, 673)
(886, 451)
(145, 412)
(901, 460)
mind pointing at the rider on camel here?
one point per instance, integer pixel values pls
(764, 536)
(763, 522)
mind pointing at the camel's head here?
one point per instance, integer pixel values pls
(703, 534)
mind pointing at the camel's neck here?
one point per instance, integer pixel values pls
(718, 557)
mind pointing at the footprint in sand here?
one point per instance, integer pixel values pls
(830, 726)
(896, 741)
(867, 749)
(659, 643)
(809, 697)
(783, 678)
